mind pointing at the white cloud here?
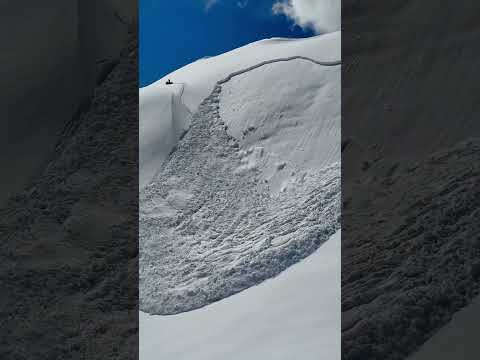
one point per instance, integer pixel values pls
(319, 15)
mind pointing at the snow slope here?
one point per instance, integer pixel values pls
(244, 184)
(295, 121)
(280, 319)
(200, 78)
(202, 75)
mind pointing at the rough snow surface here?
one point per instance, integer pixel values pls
(293, 316)
(253, 186)
(210, 226)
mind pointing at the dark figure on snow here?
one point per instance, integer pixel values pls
(169, 82)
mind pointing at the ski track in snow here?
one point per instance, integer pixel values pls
(210, 227)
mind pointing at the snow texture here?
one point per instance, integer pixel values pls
(277, 320)
(227, 211)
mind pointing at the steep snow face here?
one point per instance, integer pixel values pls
(293, 316)
(164, 119)
(200, 78)
(251, 188)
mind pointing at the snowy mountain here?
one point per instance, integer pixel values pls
(196, 81)
(239, 180)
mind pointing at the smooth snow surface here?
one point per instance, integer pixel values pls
(294, 119)
(202, 75)
(293, 316)
(253, 184)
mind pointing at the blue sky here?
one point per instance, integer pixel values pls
(177, 32)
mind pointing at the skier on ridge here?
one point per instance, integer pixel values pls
(169, 82)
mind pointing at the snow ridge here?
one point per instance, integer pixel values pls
(210, 227)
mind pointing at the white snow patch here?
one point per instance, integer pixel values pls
(178, 199)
